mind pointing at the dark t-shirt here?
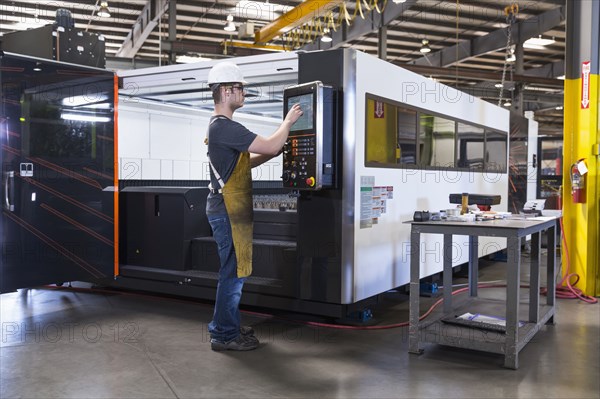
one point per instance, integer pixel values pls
(226, 140)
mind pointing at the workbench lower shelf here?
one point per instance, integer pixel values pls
(436, 331)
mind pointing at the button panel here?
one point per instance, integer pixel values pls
(299, 161)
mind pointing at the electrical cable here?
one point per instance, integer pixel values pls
(565, 289)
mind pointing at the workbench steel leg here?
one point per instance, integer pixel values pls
(473, 265)
(534, 279)
(513, 266)
(415, 265)
(551, 270)
(447, 273)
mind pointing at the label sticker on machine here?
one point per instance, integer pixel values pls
(373, 201)
(366, 201)
(379, 110)
(26, 170)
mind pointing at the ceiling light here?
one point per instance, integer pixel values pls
(537, 42)
(97, 106)
(77, 101)
(189, 59)
(510, 56)
(507, 103)
(37, 67)
(399, 1)
(258, 10)
(498, 85)
(25, 25)
(425, 47)
(561, 77)
(103, 11)
(326, 38)
(229, 25)
(84, 118)
(559, 108)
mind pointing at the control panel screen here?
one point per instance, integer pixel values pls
(305, 122)
(308, 152)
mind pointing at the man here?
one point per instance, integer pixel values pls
(233, 150)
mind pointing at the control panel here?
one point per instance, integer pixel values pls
(308, 154)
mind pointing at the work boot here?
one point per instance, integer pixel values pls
(246, 330)
(239, 343)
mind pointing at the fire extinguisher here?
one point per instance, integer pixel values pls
(578, 182)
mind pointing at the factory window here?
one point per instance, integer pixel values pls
(495, 151)
(469, 147)
(436, 141)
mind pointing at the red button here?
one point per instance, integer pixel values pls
(310, 181)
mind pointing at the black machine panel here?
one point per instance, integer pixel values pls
(308, 156)
(58, 43)
(159, 224)
(57, 155)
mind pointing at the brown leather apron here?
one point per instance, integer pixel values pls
(237, 194)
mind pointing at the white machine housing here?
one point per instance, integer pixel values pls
(162, 139)
(377, 258)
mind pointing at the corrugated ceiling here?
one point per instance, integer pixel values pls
(479, 27)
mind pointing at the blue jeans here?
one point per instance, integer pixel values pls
(225, 324)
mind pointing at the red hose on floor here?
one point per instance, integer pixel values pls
(385, 327)
(566, 290)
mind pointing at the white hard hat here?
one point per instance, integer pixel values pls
(225, 72)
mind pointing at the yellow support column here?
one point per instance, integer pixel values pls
(581, 218)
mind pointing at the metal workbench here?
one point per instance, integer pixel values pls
(516, 336)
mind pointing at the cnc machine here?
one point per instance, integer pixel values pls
(328, 233)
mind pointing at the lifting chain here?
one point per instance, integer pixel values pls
(511, 17)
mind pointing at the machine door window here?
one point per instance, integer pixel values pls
(407, 137)
(391, 134)
(382, 122)
(469, 147)
(403, 136)
(436, 141)
(495, 151)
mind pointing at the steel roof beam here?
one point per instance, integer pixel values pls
(142, 28)
(477, 74)
(495, 40)
(206, 48)
(551, 70)
(492, 93)
(360, 27)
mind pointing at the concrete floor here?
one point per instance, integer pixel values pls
(80, 344)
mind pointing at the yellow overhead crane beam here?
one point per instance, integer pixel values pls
(295, 17)
(238, 43)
